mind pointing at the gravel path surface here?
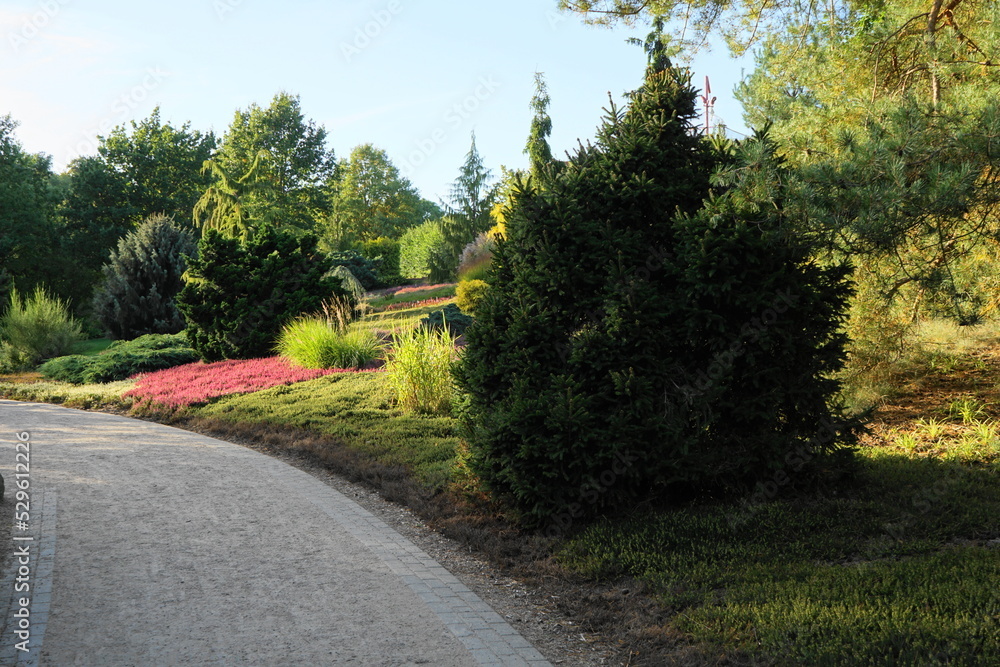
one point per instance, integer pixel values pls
(155, 546)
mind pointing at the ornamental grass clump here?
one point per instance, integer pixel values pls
(39, 327)
(419, 370)
(313, 342)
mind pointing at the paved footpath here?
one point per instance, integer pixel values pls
(151, 545)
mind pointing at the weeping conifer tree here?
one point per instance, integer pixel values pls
(584, 378)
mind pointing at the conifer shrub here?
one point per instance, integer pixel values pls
(469, 294)
(634, 349)
(142, 278)
(347, 280)
(122, 360)
(35, 328)
(362, 268)
(450, 318)
(239, 295)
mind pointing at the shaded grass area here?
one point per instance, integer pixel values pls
(357, 410)
(901, 567)
(92, 346)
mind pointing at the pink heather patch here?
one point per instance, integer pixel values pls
(199, 382)
(419, 288)
(415, 304)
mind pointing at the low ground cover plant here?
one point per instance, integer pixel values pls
(88, 396)
(359, 410)
(449, 318)
(889, 572)
(121, 360)
(199, 382)
(400, 305)
(411, 294)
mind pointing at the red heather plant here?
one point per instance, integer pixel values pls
(415, 304)
(199, 382)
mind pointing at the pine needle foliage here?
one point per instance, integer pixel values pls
(142, 278)
(239, 295)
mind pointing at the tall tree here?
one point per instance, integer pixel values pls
(372, 199)
(26, 232)
(745, 24)
(538, 151)
(147, 168)
(891, 118)
(160, 163)
(472, 198)
(224, 206)
(298, 165)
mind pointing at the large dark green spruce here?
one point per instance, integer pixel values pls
(614, 296)
(239, 294)
(142, 278)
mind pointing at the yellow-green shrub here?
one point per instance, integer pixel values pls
(469, 294)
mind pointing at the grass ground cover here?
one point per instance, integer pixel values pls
(36, 389)
(92, 346)
(411, 294)
(199, 382)
(358, 410)
(400, 318)
(902, 567)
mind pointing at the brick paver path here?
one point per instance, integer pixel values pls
(155, 546)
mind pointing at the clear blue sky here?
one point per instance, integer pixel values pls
(412, 77)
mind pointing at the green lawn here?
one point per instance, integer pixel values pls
(902, 567)
(92, 347)
(417, 295)
(357, 409)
